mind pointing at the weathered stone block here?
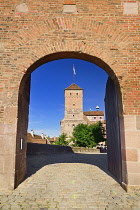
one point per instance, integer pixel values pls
(131, 154)
(130, 122)
(132, 139)
(6, 144)
(138, 122)
(133, 167)
(22, 8)
(70, 8)
(130, 8)
(7, 181)
(7, 129)
(11, 115)
(133, 179)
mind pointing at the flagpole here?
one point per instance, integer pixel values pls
(74, 72)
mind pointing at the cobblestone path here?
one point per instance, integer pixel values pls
(69, 181)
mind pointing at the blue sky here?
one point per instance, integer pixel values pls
(47, 92)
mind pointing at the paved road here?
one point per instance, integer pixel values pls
(69, 181)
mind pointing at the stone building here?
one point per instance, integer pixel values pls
(95, 116)
(74, 114)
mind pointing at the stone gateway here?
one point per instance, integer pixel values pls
(103, 32)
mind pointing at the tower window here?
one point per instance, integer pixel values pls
(70, 93)
(73, 115)
(76, 93)
(73, 125)
(73, 104)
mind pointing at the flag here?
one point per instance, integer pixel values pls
(74, 72)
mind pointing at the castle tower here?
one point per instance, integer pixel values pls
(73, 109)
(73, 102)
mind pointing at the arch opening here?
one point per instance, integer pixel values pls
(23, 110)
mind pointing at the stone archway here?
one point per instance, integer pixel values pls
(109, 46)
(24, 93)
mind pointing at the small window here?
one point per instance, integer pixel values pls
(94, 117)
(73, 125)
(73, 115)
(77, 94)
(100, 117)
(73, 104)
(70, 93)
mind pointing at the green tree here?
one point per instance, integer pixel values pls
(98, 132)
(62, 140)
(88, 135)
(83, 136)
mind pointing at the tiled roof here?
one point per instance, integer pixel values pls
(73, 87)
(29, 136)
(94, 113)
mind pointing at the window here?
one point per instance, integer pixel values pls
(77, 94)
(73, 104)
(100, 117)
(94, 117)
(73, 115)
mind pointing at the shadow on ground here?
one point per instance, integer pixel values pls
(36, 162)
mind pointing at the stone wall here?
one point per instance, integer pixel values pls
(103, 32)
(40, 149)
(85, 150)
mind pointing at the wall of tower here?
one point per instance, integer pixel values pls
(74, 104)
(67, 126)
(73, 111)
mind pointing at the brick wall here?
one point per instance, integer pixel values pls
(103, 32)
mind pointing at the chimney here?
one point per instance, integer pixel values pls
(42, 135)
(32, 133)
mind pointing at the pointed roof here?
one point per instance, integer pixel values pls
(73, 87)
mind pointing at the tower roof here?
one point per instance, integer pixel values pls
(73, 87)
